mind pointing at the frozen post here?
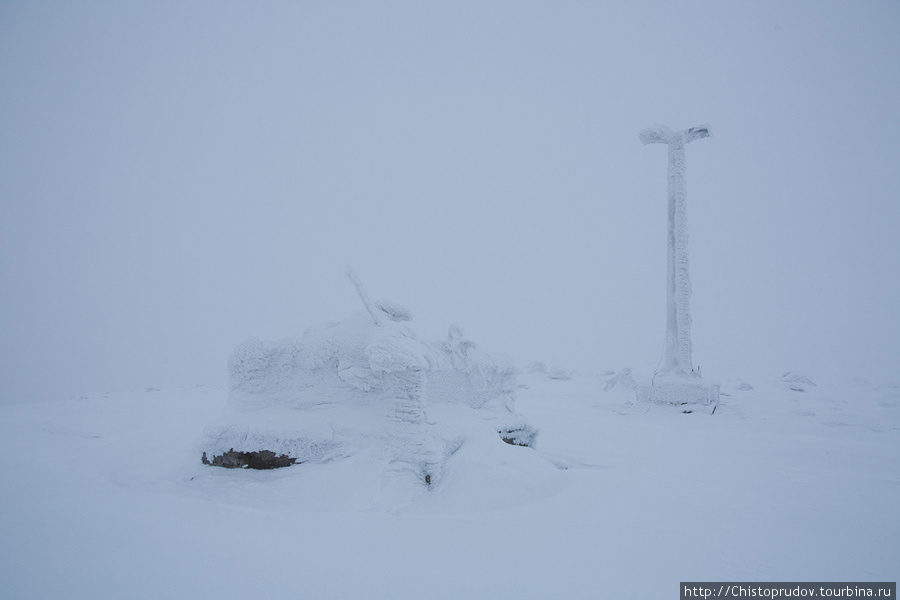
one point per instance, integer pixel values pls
(676, 382)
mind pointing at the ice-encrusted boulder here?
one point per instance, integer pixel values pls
(365, 384)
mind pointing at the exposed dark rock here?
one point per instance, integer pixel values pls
(264, 459)
(518, 437)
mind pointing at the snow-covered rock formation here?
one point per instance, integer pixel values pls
(365, 384)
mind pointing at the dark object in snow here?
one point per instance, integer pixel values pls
(264, 459)
(524, 436)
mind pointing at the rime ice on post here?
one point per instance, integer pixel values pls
(677, 382)
(678, 290)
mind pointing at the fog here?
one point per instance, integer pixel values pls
(178, 177)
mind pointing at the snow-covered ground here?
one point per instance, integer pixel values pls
(104, 496)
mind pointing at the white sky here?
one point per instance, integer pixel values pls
(176, 177)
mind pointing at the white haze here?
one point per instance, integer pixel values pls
(178, 177)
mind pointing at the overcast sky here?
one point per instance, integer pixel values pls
(176, 177)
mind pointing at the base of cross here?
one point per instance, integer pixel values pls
(678, 390)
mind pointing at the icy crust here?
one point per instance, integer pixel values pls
(359, 386)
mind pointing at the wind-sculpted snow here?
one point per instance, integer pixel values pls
(367, 383)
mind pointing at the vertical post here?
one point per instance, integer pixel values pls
(677, 358)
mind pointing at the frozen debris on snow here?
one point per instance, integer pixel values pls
(559, 373)
(366, 384)
(520, 434)
(797, 381)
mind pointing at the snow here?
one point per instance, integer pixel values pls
(104, 496)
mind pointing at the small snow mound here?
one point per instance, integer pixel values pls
(797, 381)
(520, 436)
(536, 367)
(559, 373)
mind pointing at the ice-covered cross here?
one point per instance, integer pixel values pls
(678, 316)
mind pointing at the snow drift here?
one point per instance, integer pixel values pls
(366, 384)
